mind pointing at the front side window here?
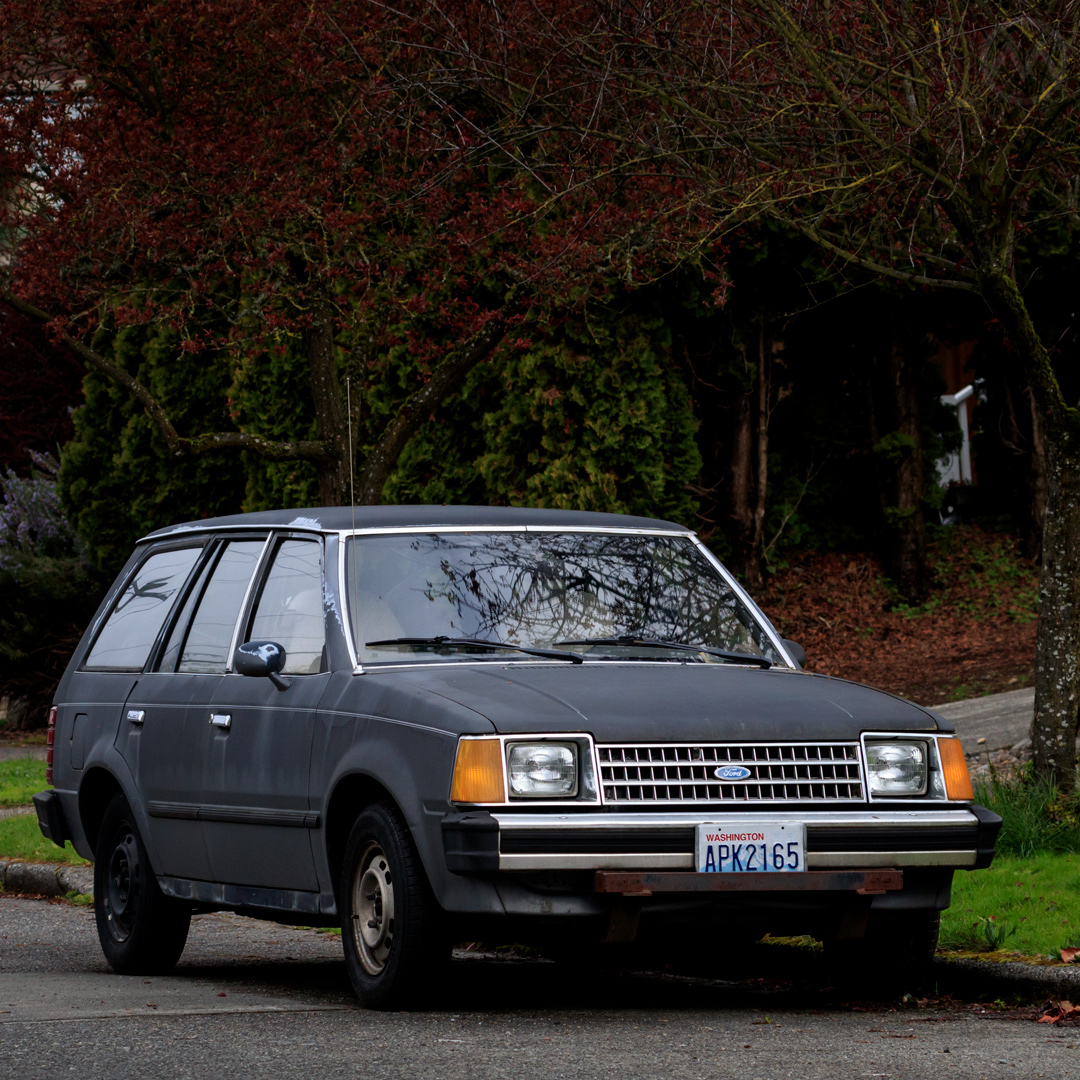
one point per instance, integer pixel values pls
(603, 596)
(289, 610)
(206, 647)
(127, 637)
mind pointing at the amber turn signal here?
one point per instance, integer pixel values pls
(478, 772)
(955, 770)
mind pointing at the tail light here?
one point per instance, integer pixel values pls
(50, 739)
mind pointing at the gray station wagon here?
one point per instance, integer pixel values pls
(428, 724)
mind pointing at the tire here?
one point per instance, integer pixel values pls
(895, 954)
(142, 931)
(390, 921)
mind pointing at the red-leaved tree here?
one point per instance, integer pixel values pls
(279, 171)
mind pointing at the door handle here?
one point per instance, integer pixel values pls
(221, 719)
(136, 716)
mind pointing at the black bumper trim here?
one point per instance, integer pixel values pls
(989, 827)
(50, 815)
(471, 842)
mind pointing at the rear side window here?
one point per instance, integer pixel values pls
(130, 631)
(290, 609)
(206, 648)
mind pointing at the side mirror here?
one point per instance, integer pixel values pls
(261, 658)
(795, 651)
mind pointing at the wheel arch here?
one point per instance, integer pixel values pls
(352, 794)
(98, 788)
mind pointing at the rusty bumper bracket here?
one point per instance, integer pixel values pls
(861, 882)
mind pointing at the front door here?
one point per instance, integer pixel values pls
(258, 818)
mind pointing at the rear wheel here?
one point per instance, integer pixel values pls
(142, 931)
(390, 921)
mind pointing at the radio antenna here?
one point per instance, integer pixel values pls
(354, 614)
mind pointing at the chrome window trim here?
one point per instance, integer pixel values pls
(209, 530)
(262, 568)
(746, 598)
(256, 575)
(344, 535)
(427, 530)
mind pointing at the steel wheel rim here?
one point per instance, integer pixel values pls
(122, 885)
(373, 909)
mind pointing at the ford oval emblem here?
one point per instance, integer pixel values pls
(731, 772)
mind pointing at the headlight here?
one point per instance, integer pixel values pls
(896, 768)
(539, 770)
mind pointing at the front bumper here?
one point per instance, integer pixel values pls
(483, 842)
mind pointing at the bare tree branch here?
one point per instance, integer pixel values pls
(271, 449)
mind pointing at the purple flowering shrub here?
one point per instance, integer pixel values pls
(48, 591)
(32, 521)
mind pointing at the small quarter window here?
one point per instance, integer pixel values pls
(290, 609)
(127, 637)
(206, 648)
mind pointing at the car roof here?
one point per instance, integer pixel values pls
(345, 518)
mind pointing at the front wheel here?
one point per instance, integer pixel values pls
(142, 931)
(389, 918)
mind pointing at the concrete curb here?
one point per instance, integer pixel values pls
(46, 879)
(987, 978)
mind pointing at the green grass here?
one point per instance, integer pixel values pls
(1037, 817)
(20, 780)
(1027, 905)
(21, 839)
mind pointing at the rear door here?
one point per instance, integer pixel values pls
(167, 727)
(256, 777)
(114, 664)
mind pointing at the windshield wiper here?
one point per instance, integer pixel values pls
(551, 654)
(682, 646)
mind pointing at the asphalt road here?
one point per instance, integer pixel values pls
(253, 999)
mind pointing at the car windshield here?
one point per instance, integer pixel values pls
(439, 597)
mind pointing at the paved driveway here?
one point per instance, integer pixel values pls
(1002, 719)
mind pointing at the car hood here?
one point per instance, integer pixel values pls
(618, 702)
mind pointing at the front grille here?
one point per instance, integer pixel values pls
(778, 773)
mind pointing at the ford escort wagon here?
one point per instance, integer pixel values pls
(429, 724)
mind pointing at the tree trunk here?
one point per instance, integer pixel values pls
(1033, 533)
(741, 513)
(750, 470)
(761, 480)
(1057, 640)
(909, 519)
(898, 464)
(1057, 650)
(417, 408)
(330, 420)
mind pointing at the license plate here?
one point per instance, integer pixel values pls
(750, 847)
